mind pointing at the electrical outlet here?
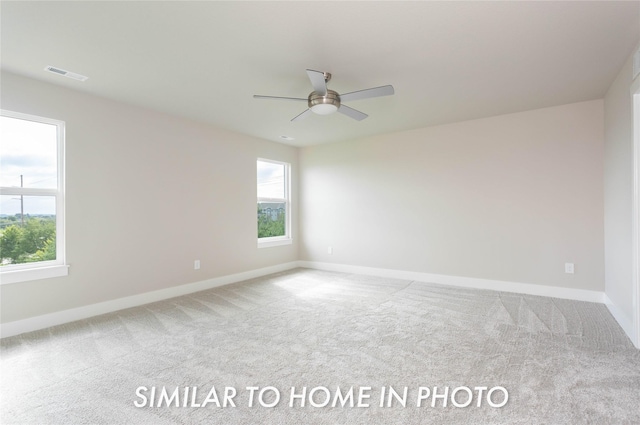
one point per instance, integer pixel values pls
(330, 250)
(568, 268)
(196, 265)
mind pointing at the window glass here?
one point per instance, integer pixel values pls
(272, 218)
(29, 153)
(28, 227)
(271, 180)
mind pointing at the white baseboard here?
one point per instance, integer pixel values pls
(60, 317)
(66, 316)
(467, 282)
(625, 322)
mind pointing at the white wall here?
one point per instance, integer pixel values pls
(147, 194)
(618, 195)
(508, 198)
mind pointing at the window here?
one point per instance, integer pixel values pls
(274, 209)
(31, 197)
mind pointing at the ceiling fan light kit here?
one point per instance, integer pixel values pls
(324, 105)
(323, 101)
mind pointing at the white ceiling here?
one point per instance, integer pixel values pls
(448, 61)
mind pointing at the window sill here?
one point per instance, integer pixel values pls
(36, 273)
(269, 242)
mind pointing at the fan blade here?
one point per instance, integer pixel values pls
(258, 96)
(302, 115)
(317, 81)
(352, 113)
(367, 93)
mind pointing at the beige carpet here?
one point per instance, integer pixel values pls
(561, 362)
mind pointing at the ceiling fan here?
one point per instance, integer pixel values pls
(323, 101)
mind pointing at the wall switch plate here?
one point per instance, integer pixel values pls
(568, 268)
(330, 250)
(196, 265)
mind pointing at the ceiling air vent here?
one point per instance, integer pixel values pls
(66, 73)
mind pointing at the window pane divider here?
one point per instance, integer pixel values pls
(28, 191)
(273, 200)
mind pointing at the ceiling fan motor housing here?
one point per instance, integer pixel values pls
(324, 104)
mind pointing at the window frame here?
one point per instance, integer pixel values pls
(15, 273)
(286, 239)
(634, 333)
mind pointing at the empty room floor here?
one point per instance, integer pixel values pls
(314, 347)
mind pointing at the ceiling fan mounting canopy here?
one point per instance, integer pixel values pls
(326, 75)
(323, 101)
